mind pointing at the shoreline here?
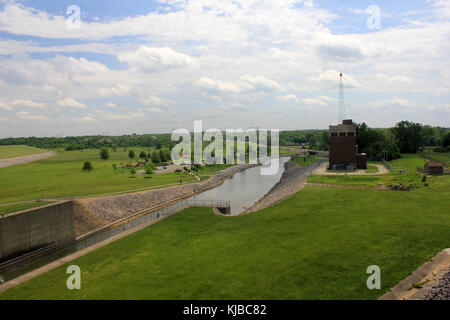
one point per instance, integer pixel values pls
(292, 180)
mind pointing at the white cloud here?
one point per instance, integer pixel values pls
(312, 101)
(4, 106)
(111, 105)
(71, 103)
(118, 90)
(84, 119)
(289, 97)
(153, 59)
(28, 116)
(214, 86)
(28, 103)
(260, 83)
(154, 101)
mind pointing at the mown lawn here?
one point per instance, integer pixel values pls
(371, 169)
(22, 206)
(410, 162)
(62, 176)
(18, 151)
(315, 245)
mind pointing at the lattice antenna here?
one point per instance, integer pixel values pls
(341, 100)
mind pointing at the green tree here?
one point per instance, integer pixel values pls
(131, 154)
(155, 157)
(87, 166)
(104, 154)
(162, 156)
(446, 140)
(409, 136)
(148, 170)
(142, 155)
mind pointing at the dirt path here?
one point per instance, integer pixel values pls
(323, 171)
(25, 159)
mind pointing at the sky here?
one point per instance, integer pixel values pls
(137, 66)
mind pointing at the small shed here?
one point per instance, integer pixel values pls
(434, 167)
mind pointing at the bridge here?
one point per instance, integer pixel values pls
(223, 206)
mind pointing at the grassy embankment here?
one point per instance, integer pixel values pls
(315, 245)
(303, 161)
(18, 151)
(22, 206)
(62, 176)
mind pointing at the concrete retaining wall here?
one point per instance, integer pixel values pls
(30, 229)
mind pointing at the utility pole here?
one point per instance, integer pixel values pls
(341, 100)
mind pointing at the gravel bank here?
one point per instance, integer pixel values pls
(293, 180)
(441, 291)
(92, 213)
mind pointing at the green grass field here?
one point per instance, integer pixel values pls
(315, 245)
(305, 161)
(443, 157)
(410, 162)
(62, 176)
(371, 169)
(22, 206)
(18, 151)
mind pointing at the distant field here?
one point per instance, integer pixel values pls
(22, 206)
(305, 161)
(315, 245)
(18, 151)
(62, 176)
(286, 151)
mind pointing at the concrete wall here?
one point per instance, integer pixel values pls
(34, 228)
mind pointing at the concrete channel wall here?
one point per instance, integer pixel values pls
(34, 228)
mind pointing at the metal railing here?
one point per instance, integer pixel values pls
(209, 203)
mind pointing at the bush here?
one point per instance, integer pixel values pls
(104, 154)
(148, 170)
(87, 166)
(424, 178)
(131, 154)
(441, 149)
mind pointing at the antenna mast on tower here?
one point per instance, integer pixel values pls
(341, 100)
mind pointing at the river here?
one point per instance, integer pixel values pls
(244, 188)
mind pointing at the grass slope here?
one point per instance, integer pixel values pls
(315, 245)
(22, 206)
(62, 176)
(7, 152)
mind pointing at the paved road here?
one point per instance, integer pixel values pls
(19, 160)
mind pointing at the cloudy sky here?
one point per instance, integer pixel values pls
(140, 66)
